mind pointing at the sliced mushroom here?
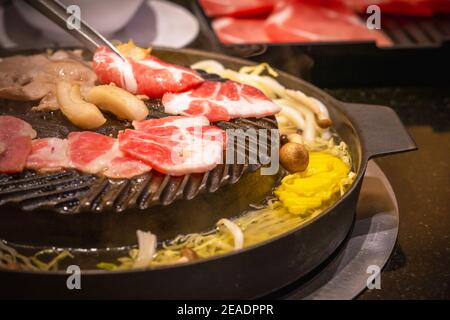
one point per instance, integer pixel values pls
(319, 109)
(81, 113)
(119, 102)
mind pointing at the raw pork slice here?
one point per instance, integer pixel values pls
(15, 143)
(48, 154)
(221, 101)
(319, 20)
(10, 125)
(95, 153)
(175, 145)
(15, 152)
(149, 76)
(232, 30)
(236, 8)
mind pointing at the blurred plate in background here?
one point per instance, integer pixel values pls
(154, 22)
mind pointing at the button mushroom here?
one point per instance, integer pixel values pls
(294, 157)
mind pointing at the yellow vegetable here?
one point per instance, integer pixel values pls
(130, 50)
(119, 102)
(320, 184)
(81, 113)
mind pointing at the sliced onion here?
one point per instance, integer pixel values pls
(309, 132)
(291, 113)
(147, 248)
(210, 66)
(237, 233)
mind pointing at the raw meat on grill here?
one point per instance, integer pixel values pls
(149, 76)
(15, 152)
(175, 145)
(319, 20)
(48, 154)
(220, 101)
(236, 8)
(30, 78)
(10, 125)
(15, 143)
(232, 30)
(95, 153)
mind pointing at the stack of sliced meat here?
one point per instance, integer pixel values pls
(172, 145)
(293, 21)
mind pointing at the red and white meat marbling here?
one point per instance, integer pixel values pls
(48, 154)
(149, 76)
(234, 30)
(220, 101)
(99, 154)
(319, 20)
(175, 145)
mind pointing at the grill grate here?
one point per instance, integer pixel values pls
(73, 192)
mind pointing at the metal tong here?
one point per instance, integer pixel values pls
(57, 12)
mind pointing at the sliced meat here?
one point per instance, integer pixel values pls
(17, 76)
(221, 101)
(98, 154)
(16, 151)
(175, 145)
(173, 121)
(15, 143)
(34, 77)
(149, 76)
(48, 154)
(232, 30)
(13, 126)
(321, 20)
(236, 8)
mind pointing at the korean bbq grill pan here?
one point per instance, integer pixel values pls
(109, 217)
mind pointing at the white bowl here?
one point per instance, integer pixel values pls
(106, 16)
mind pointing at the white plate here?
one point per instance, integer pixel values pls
(156, 23)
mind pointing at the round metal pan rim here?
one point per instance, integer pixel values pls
(360, 172)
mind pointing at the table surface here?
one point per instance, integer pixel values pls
(419, 267)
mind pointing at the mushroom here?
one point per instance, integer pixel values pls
(295, 137)
(189, 254)
(319, 109)
(294, 157)
(81, 113)
(119, 102)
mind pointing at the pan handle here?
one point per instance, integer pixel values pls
(380, 129)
